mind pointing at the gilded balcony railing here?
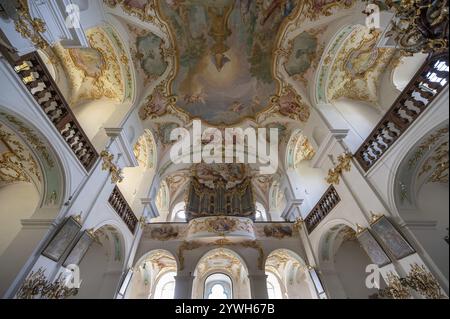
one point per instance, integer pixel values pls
(325, 205)
(120, 205)
(428, 82)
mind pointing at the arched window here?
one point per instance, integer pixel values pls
(270, 290)
(167, 291)
(260, 215)
(179, 213)
(273, 287)
(165, 288)
(218, 292)
(218, 286)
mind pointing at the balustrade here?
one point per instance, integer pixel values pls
(325, 205)
(34, 74)
(428, 82)
(120, 205)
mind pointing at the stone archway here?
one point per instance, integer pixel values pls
(226, 262)
(152, 276)
(343, 263)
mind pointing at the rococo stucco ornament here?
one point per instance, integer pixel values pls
(420, 25)
(109, 165)
(344, 165)
(37, 286)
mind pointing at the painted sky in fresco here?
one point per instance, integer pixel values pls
(225, 52)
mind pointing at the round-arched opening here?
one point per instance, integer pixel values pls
(101, 266)
(261, 214)
(31, 187)
(221, 274)
(178, 214)
(277, 201)
(218, 286)
(153, 277)
(343, 264)
(137, 180)
(287, 276)
(273, 286)
(163, 201)
(406, 70)
(165, 286)
(421, 195)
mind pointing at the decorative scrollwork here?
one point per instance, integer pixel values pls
(419, 279)
(395, 289)
(422, 281)
(109, 165)
(30, 28)
(420, 25)
(37, 286)
(344, 165)
(192, 245)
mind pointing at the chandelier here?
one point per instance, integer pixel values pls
(419, 25)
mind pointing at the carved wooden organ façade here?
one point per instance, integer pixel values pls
(205, 201)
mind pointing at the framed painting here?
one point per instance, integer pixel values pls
(62, 239)
(392, 238)
(79, 250)
(373, 249)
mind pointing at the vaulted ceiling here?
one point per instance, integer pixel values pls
(246, 63)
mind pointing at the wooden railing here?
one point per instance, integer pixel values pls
(34, 74)
(428, 82)
(120, 205)
(325, 205)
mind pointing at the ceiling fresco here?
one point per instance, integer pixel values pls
(147, 53)
(219, 60)
(225, 60)
(358, 67)
(303, 54)
(101, 71)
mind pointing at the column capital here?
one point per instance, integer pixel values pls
(123, 146)
(149, 210)
(184, 277)
(291, 206)
(334, 136)
(183, 285)
(257, 276)
(258, 285)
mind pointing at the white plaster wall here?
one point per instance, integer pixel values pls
(433, 200)
(92, 272)
(17, 201)
(407, 69)
(313, 184)
(361, 118)
(350, 264)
